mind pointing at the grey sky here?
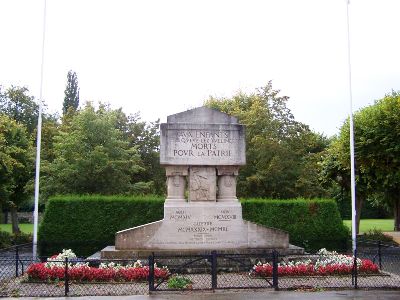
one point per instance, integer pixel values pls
(163, 57)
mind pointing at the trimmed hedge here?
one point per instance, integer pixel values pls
(312, 224)
(87, 224)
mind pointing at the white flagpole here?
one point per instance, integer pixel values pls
(38, 144)
(352, 160)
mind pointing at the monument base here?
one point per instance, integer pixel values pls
(110, 252)
(199, 227)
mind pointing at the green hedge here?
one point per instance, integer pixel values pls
(86, 224)
(312, 224)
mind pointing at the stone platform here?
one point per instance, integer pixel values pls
(199, 228)
(110, 252)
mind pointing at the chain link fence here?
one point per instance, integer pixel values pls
(378, 266)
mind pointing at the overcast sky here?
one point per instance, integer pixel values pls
(163, 57)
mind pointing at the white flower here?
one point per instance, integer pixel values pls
(137, 264)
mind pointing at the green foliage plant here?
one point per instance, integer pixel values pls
(377, 235)
(89, 223)
(282, 154)
(312, 224)
(377, 152)
(71, 99)
(7, 239)
(92, 157)
(16, 166)
(179, 282)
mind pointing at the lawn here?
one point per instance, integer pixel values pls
(369, 224)
(25, 228)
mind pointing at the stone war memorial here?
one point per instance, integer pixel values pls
(202, 150)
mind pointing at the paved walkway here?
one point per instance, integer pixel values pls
(250, 295)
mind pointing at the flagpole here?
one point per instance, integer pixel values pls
(352, 159)
(38, 144)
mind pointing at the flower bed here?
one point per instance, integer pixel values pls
(54, 270)
(328, 263)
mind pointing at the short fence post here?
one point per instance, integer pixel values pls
(16, 260)
(214, 282)
(354, 274)
(275, 270)
(380, 254)
(66, 277)
(151, 272)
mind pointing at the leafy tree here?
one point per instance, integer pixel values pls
(145, 137)
(18, 105)
(335, 168)
(92, 157)
(71, 99)
(377, 152)
(282, 154)
(378, 149)
(15, 166)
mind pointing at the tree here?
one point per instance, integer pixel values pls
(15, 166)
(378, 149)
(71, 99)
(282, 160)
(377, 152)
(335, 168)
(145, 137)
(18, 105)
(92, 157)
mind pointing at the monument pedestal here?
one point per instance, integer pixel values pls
(198, 228)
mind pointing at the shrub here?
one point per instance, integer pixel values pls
(312, 224)
(377, 235)
(5, 239)
(21, 238)
(179, 282)
(8, 239)
(89, 223)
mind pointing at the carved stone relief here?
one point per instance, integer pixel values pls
(202, 183)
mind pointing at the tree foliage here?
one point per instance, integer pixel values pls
(15, 165)
(377, 152)
(92, 157)
(282, 154)
(71, 99)
(18, 105)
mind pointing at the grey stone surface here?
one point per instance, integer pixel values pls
(202, 150)
(202, 144)
(201, 225)
(202, 115)
(202, 184)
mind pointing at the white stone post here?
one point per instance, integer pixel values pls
(176, 183)
(227, 183)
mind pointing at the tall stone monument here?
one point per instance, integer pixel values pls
(201, 150)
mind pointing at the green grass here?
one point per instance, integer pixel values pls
(369, 224)
(25, 228)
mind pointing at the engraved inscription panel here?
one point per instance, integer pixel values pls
(210, 145)
(203, 227)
